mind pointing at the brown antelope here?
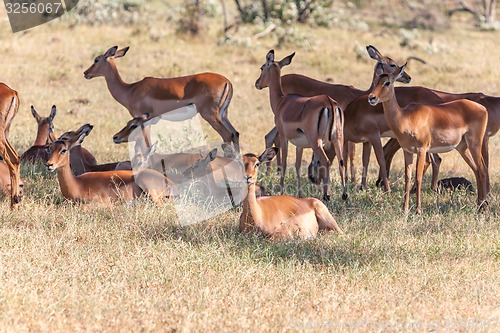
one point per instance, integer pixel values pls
(210, 93)
(307, 122)
(44, 136)
(422, 128)
(9, 105)
(224, 168)
(343, 94)
(491, 103)
(105, 186)
(5, 184)
(281, 217)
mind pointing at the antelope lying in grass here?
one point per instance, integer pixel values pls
(105, 186)
(281, 217)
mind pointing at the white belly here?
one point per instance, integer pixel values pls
(180, 114)
(386, 134)
(301, 141)
(445, 149)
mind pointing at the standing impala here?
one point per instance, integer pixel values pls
(104, 186)
(9, 105)
(308, 122)
(210, 93)
(422, 128)
(283, 216)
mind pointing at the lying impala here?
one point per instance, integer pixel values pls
(44, 136)
(281, 217)
(9, 105)
(210, 93)
(343, 94)
(422, 128)
(224, 168)
(307, 122)
(105, 186)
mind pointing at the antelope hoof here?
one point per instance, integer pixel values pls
(379, 182)
(482, 206)
(326, 197)
(17, 198)
(345, 196)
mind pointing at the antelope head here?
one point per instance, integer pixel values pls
(265, 70)
(104, 63)
(383, 87)
(252, 163)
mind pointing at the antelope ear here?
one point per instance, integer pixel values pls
(35, 114)
(401, 72)
(111, 52)
(268, 155)
(286, 60)
(270, 57)
(122, 52)
(53, 112)
(77, 142)
(229, 150)
(374, 53)
(212, 155)
(379, 69)
(152, 150)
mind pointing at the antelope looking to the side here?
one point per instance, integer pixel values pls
(105, 186)
(44, 136)
(422, 128)
(9, 105)
(307, 122)
(210, 93)
(281, 217)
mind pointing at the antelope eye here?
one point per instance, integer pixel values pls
(257, 164)
(96, 60)
(63, 151)
(133, 126)
(392, 65)
(388, 83)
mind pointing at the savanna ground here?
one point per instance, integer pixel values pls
(133, 268)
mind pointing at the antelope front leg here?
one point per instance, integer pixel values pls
(367, 148)
(298, 163)
(420, 172)
(351, 151)
(337, 144)
(486, 157)
(435, 163)
(272, 138)
(408, 164)
(379, 154)
(390, 149)
(282, 167)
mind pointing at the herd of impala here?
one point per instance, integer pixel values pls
(328, 118)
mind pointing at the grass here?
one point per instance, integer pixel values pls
(65, 267)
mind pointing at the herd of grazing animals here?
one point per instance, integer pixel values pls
(328, 118)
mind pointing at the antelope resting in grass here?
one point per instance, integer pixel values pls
(281, 217)
(308, 122)
(44, 136)
(9, 105)
(422, 128)
(210, 93)
(104, 186)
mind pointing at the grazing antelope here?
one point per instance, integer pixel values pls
(422, 128)
(281, 217)
(307, 122)
(105, 186)
(210, 93)
(9, 105)
(44, 136)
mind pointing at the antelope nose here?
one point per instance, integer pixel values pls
(372, 99)
(17, 199)
(257, 84)
(115, 139)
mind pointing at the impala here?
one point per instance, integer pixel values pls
(307, 122)
(281, 217)
(105, 186)
(44, 136)
(422, 128)
(492, 104)
(5, 183)
(343, 94)
(137, 130)
(9, 105)
(209, 93)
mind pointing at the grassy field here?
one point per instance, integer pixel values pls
(133, 268)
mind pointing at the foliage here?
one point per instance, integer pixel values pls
(98, 12)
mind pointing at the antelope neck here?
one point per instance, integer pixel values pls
(275, 89)
(42, 135)
(116, 86)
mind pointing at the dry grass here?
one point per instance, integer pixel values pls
(132, 268)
